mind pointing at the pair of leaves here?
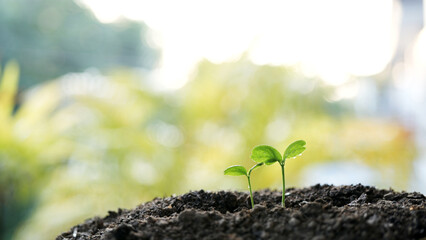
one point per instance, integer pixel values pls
(270, 155)
(238, 170)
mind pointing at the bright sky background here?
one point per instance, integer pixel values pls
(333, 39)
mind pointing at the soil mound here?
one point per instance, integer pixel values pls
(318, 212)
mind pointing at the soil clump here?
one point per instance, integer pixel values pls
(318, 212)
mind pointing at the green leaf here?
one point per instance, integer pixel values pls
(295, 149)
(236, 170)
(265, 154)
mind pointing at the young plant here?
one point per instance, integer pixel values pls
(269, 155)
(238, 170)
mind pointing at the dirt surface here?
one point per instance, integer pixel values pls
(319, 212)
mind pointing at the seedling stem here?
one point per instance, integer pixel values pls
(283, 175)
(249, 182)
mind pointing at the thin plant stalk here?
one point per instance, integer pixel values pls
(248, 178)
(251, 193)
(283, 175)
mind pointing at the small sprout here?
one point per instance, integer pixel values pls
(269, 155)
(238, 170)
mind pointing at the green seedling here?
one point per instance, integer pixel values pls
(269, 155)
(238, 170)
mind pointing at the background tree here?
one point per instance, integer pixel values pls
(50, 38)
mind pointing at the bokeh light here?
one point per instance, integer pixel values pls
(107, 104)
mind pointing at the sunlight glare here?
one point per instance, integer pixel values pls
(334, 39)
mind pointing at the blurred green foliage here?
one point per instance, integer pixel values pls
(84, 144)
(50, 38)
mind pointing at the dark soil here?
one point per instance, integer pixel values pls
(318, 212)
